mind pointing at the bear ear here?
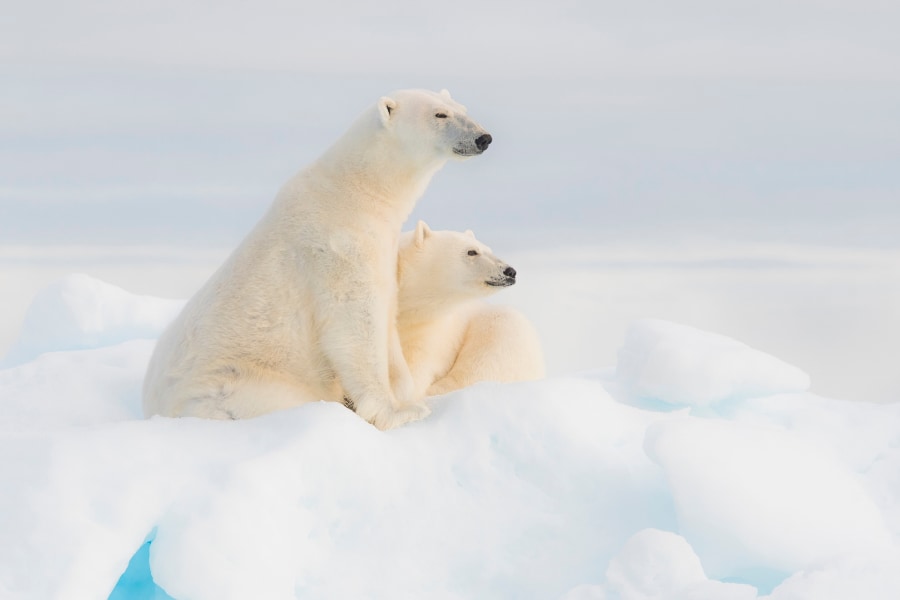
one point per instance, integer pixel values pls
(446, 94)
(470, 233)
(386, 108)
(422, 232)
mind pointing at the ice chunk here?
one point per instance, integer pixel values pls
(678, 364)
(751, 498)
(659, 565)
(79, 312)
(75, 388)
(653, 564)
(873, 578)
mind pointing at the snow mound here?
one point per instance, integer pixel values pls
(550, 489)
(659, 565)
(681, 365)
(316, 503)
(79, 312)
(752, 498)
(84, 388)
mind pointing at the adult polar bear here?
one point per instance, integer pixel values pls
(451, 337)
(305, 307)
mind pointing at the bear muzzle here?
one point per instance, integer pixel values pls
(508, 278)
(473, 146)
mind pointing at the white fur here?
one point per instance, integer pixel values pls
(451, 337)
(304, 309)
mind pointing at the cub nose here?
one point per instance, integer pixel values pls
(510, 272)
(483, 141)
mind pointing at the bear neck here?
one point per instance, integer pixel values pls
(369, 161)
(417, 309)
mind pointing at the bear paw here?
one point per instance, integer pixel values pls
(406, 414)
(386, 417)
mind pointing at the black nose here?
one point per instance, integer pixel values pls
(510, 272)
(483, 141)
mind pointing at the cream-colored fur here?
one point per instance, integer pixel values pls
(451, 337)
(304, 309)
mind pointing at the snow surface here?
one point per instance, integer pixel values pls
(697, 468)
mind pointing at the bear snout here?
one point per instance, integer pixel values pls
(483, 141)
(506, 278)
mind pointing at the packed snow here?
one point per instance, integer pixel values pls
(697, 467)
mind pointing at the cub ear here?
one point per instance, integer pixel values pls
(386, 108)
(422, 232)
(469, 233)
(446, 94)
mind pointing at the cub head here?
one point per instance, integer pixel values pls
(449, 266)
(432, 124)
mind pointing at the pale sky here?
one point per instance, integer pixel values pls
(164, 122)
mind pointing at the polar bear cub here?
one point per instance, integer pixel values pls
(304, 309)
(451, 338)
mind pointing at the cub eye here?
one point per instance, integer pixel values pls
(441, 115)
(473, 252)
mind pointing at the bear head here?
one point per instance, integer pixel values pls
(449, 266)
(431, 123)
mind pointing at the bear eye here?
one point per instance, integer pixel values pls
(473, 253)
(441, 115)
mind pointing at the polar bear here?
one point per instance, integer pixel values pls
(304, 308)
(451, 337)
